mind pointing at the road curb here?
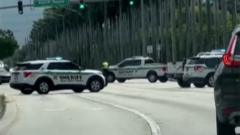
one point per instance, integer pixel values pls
(2, 106)
(10, 116)
(155, 129)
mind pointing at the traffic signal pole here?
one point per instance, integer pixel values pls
(143, 29)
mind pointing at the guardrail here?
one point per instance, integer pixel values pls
(2, 105)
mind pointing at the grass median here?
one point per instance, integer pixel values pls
(2, 105)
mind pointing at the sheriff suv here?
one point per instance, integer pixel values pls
(48, 75)
(227, 88)
(136, 68)
(200, 70)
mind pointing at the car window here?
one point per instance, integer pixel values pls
(212, 62)
(28, 66)
(130, 63)
(62, 66)
(149, 61)
(195, 61)
(237, 47)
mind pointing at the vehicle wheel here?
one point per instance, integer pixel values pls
(163, 79)
(0, 81)
(121, 80)
(210, 81)
(110, 77)
(95, 85)
(152, 77)
(183, 84)
(27, 91)
(224, 128)
(79, 90)
(199, 84)
(43, 87)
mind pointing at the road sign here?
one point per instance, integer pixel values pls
(53, 3)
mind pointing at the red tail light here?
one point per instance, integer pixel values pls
(27, 74)
(199, 68)
(228, 58)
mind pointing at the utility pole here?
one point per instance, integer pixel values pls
(143, 29)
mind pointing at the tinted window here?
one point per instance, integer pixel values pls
(130, 63)
(28, 66)
(149, 61)
(237, 48)
(196, 61)
(212, 62)
(63, 66)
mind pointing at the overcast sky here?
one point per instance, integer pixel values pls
(20, 24)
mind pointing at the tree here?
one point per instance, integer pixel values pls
(8, 44)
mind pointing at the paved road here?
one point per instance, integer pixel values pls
(177, 111)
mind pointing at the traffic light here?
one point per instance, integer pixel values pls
(82, 5)
(20, 7)
(131, 2)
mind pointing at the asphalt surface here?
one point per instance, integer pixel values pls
(177, 111)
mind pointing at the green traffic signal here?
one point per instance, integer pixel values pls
(131, 2)
(82, 6)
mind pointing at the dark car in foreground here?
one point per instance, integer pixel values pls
(227, 88)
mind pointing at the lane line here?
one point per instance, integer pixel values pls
(155, 129)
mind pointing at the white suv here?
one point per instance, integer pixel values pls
(200, 70)
(49, 75)
(4, 74)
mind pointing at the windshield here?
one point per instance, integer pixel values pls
(150, 67)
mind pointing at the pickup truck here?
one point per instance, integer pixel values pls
(137, 67)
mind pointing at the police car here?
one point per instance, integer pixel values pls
(49, 75)
(135, 68)
(200, 70)
(4, 74)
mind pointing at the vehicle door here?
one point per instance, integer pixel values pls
(65, 73)
(129, 69)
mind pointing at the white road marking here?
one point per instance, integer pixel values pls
(155, 129)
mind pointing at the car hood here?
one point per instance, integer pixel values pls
(89, 71)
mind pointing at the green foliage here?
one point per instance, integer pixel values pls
(8, 44)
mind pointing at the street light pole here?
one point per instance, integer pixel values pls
(143, 28)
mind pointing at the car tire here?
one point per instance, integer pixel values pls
(1, 81)
(152, 77)
(183, 84)
(79, 90)
(199, 84)
(26, 92)
(163, 79)
(121, 80)
(110, 77)
(43, 87)
(224, 128)
(210, 81)
(95, 85)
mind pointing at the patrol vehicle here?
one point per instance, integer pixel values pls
(135, 68)
(175, 72)
(200, 70)
(48, 75)
(4, 74)
(227, 88)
